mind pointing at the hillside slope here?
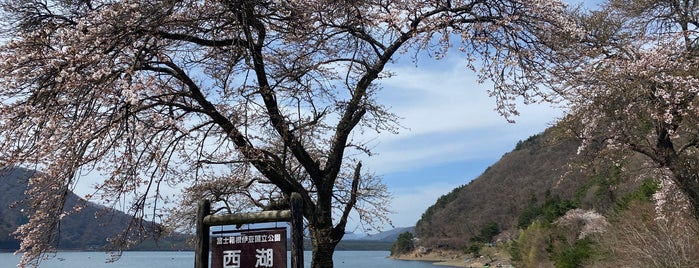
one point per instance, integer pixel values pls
(544, 168)
(82, 231)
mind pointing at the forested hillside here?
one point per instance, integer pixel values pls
(526, 194)
(88, 230)
(543, 174)
(540, 168)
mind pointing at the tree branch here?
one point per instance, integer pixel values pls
(340, 227)
(268, 95)
(201, 41)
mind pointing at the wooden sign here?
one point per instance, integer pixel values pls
(234, 257)
(250, 249)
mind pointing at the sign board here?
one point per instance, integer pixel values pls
(250, 249)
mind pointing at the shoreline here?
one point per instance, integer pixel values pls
(446, 263)
(443, 258)
(449, 259)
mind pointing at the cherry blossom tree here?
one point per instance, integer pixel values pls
(630, 74)
(580, 223)
(243, 102)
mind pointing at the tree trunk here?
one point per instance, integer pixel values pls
(323, 247)
(691, 187)
(683, 171)
(688, 182)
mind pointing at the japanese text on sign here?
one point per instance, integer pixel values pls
(253, 248)
(245, 239)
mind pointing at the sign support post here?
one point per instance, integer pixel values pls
(201, 253)
(296, 231)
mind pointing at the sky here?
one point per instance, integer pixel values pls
(451, 133)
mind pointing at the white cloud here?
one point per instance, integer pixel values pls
(448, 117)
(450, 122)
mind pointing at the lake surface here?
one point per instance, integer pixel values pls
(147, 259)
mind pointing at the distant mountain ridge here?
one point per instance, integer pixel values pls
(12, 186)
(385, 236)
(84, 231)
(390, 235)
(81, 231)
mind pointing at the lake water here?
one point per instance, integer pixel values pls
(146, 259)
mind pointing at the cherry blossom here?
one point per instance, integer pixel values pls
(243, 102)
(629, 76)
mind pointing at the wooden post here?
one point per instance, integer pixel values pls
(248, 218)
(201, 258)
(296, 231)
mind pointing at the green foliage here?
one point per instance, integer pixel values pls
(504, 191)
(555, 208)
(441, 203)
(565, 253)
(490, 230)
(538, 245)
(473, 248)
(531, 249)
(549, 211)
(529, 141)
(403, 244)
(642, 194)
(486, 234)
(528, 216)
(575, 255)
(601, 186)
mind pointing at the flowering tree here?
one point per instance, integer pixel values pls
(630, 73)
(243, 102)
(579, 223)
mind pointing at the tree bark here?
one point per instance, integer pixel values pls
(688, 182)
(683, 172)
(324, 244)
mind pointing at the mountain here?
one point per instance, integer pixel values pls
(85, 231)
(385, 236)
(81, 231)
(388, 236)
(12, 186)
(382, 241)
(543, 174)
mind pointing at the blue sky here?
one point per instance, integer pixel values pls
(452, 132)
